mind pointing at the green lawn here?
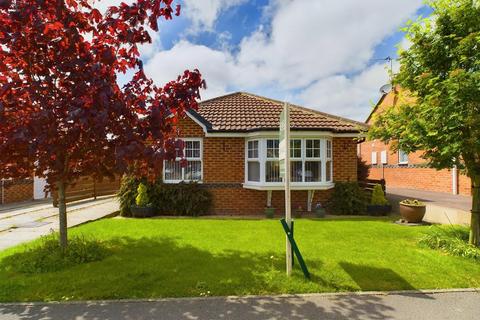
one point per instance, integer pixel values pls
(192, 257)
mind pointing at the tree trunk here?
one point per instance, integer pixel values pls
(475, 220)
(62, 214)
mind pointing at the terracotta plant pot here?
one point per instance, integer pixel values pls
(412, 213)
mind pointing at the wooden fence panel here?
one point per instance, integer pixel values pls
(369, 184)
(87, 187)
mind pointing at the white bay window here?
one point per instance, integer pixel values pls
(272, 165)
(253, 161)
(311, 162)
(173, 171)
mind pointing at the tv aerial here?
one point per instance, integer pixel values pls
(386, 88)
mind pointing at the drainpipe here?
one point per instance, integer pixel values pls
(455, 180)
(310, 195)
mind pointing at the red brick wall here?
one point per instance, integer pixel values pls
(344, 159)
(224, 174)
(415, 174)
(16, 191)
(189, 128)
(237, 200)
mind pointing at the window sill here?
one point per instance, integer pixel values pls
(178, 181)
(293, 186)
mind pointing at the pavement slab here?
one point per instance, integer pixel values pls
(458, 305)
(29, 225)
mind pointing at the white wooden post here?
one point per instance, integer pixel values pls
(288, 213)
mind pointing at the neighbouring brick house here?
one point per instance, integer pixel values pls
(231, 147)
(407, 170)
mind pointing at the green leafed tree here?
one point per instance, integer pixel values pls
(440, 71)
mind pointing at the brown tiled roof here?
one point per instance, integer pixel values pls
(244, 112)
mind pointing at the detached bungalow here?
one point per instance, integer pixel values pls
(231, 147)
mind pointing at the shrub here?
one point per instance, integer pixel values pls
(142, 199)
(182, 199)
(127, 193)
(378, 196)
(348, 198)
(450, 239)
(47, 256)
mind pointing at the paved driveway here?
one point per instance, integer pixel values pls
(28, 222)
(405, 306)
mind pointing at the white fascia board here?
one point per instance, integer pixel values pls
(197, 122)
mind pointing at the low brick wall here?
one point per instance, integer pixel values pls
(421, 178)
(233, 199)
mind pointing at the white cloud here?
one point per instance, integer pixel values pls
(204, 13)
(216, 66)
(311, 39)
(349, 97)
(308, 48)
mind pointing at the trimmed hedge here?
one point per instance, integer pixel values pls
(180, 199)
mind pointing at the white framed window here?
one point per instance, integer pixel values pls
(272, 164)
(173, 171)
(374, 157)
(383, 157)
(253, 161)
(329, 162)
(296, 160)
(311, 161)
(402, 157)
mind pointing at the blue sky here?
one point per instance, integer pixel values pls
(323, 54)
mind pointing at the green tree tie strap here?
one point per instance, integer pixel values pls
(295, 249)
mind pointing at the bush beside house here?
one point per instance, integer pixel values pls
(348, 198)
(182, 199)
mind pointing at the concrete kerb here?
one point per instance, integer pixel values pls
(299, 295)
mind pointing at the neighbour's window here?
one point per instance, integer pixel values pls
(383, 157)
(374, 157)
(192, 171)
(253, 161)
(402, 157)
